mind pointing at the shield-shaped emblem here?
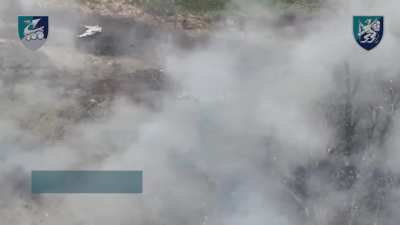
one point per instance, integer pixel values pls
(33, 30)
(368, 31)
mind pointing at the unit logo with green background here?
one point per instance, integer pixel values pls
(368, 31)
(33, 30)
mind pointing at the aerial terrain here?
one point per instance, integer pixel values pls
(238, 112)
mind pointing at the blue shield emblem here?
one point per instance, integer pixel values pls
(33, 30)
(368, 31)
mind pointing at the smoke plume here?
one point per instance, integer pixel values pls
(277, 119)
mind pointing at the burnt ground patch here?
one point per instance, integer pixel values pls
(145, 87)
(120, 36)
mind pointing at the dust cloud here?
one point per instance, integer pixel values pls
(280, 119)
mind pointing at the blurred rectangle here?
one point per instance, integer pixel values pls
(97, 182)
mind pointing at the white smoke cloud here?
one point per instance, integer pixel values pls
(228, 152)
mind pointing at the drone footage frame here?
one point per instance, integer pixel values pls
(212, 112)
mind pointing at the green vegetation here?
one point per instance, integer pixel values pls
(202, 7)
(170, 7)
(211, 6)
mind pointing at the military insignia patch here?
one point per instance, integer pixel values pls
(33, 30)
(368, 31)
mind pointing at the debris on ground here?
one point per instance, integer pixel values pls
(91, 30)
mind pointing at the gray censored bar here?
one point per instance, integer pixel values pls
(85, 182)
